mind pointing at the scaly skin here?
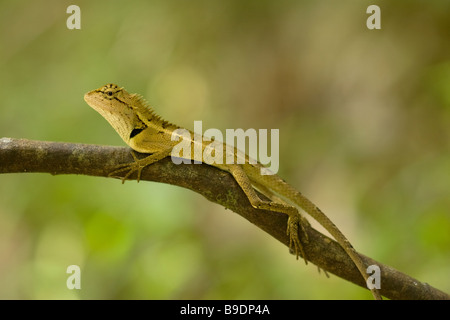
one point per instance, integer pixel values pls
(146, 132)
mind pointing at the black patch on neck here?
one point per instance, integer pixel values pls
(135, 132)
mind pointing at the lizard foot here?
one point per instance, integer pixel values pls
(295, 244)
(131, 167)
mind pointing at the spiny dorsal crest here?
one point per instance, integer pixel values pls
(141, 106)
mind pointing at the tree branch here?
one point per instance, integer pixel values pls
(20, 155)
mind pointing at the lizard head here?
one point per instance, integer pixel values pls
(118, 107)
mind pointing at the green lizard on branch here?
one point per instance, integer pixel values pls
(146, 132)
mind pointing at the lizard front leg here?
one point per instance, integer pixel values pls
(294, 221)
(138, 164)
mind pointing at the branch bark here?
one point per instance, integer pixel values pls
(21, 155)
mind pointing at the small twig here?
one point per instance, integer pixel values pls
(20, 155)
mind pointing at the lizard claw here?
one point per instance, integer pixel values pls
(295, 244)
(131, 167)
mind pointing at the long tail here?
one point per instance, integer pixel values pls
(287, 191)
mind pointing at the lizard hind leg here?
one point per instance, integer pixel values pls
(294, 218)
(295, 244)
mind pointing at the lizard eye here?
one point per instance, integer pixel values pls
(110, 91)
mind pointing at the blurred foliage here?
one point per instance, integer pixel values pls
(364, 132)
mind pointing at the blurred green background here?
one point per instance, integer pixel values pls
(364, 132)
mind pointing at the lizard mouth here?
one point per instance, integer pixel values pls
(97, 101)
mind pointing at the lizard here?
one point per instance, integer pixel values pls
(146, 132)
